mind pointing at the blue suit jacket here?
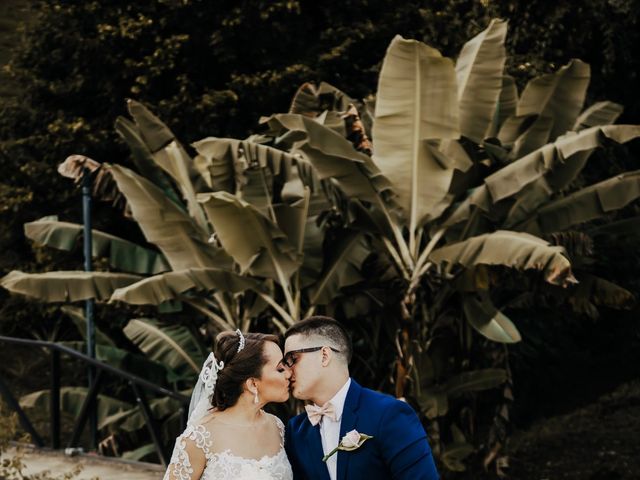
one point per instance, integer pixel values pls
(399, 448)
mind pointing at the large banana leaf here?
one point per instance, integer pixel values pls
(527, 202)
(170, 286)
(487, 320)
(292, 220)
(475, 381)
(536, 135)
(127, 361)
(311, 267)
(254, 242)
(337, 162)
(324, 100)
(222, 160)
(478, 198)
(155, 134)
(552, 103)
(434, 401)
(77, 317)
(122, 254)
(512, 178)
(71, 399)
(303, 175)
(141, 453)
(416, 103)
(171, 426)
(618, 233)
(529, 199)
(454, 453)
(259, 190)
(169, 155)
(342, 269)
(566, 172)
(602, 292)
(66, 286)
(143, 157)
(587, 204)
(245, 168)
(103, 185)
(333, 156)
(454, 155)
(506, 107)
(479, 71)
(311, 101)
(183, 243)
(133, 419)
(511, 249)
(513, 127)
(600, 113)
(559, 96)
(175, 161)
(173, 346)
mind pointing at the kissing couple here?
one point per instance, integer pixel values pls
(347, 432)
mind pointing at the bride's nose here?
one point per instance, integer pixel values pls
(287, 373)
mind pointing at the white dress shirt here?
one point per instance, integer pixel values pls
(330, 430)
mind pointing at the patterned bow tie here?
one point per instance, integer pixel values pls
(316, 413)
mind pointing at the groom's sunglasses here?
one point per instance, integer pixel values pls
(291, 358)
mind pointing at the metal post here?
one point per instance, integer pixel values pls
(54, 405)
(88, 406)
(152, 425)
(91, 333)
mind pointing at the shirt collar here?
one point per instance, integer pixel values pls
(339, 398)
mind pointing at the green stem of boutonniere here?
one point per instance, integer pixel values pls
(348, 443)
(326, 457)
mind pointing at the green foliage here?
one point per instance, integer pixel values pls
(213, 70)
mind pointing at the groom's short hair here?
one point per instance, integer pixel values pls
(327, 327)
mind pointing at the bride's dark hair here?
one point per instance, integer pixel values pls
(238, 366)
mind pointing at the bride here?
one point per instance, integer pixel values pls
(228, 435)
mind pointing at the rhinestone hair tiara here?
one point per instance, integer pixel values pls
(240, 340)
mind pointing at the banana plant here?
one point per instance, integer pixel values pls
(464, 176)
(449, 179)
(115, 417)
(238, 235)
(201, 215)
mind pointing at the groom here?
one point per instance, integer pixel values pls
(318, 351)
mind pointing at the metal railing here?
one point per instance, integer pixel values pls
(138, 385)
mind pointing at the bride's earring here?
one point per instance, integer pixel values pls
(255, 398)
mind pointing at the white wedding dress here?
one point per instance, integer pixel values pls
(224, 465)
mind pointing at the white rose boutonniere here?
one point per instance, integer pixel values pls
(350, 442)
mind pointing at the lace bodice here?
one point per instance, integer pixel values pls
(224, 465)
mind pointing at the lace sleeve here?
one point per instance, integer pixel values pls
(281, 429)
(190, 455)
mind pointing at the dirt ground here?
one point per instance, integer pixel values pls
(598, 442)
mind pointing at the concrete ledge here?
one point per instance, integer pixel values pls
(37, 460)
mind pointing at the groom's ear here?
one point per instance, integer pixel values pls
(326, 356)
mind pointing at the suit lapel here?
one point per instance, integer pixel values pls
(315, 452)
(348, 423)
